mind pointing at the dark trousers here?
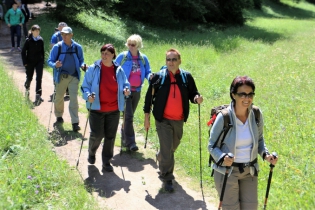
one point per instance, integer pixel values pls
(127, 130)
(15, 30)
(25, 32)
(38, 67)
(103, 125)
(170, 132)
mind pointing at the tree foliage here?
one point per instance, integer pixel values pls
(166, 13)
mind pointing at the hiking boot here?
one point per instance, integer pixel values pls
(108, 167)
(91, 159)
(18, 49)
(133, 148)
(12, 49)
(76, 127)
(38, 100)
(27, 84)
(168, 186)
(59, 120)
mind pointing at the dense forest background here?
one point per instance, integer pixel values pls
(166, 13)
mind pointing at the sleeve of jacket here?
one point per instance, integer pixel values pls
(87, 82)
(53, 57)
(23, 17)
(23, 52)
(147, 68)
(261, 141)
(216, 129)
(80, 55)
(192, 88)
(149, 94)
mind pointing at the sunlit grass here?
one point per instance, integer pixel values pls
(275, 48)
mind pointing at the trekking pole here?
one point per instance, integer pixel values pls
(224, 181)
(275, 155)
(87, 120)
(123, 125)
(200, 166)
(52, 102)
(146, 136)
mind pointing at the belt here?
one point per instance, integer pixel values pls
(241, 166)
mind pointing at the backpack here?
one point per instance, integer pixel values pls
(226, 125)
(163, 73)
(59, 50)
(125, 58)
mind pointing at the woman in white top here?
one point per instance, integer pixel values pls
(246, 141)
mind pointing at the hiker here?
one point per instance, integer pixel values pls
(170, 110)
(55, 38)
(66, 67)
(23, 7)
(14, 18)
(245, 140)
(107, 80)
(137, 68)
(33, 55)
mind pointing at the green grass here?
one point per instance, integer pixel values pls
(275, 48)
(32, 176)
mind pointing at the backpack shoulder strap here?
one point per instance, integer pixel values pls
(256, 113)
(162, 75)
(59, 50)
(123, 60)
(184, 76)
(142, 58)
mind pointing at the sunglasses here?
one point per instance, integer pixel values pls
(131, 45)
(171, 59)
(246, 95)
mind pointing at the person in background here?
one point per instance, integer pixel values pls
(170, 110)
(107, 80)
(245, 140)
(14, 18)
(67, 74)
(137, 68)
(33, 56)
(23, 7)
(56, 37)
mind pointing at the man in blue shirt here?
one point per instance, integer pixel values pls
(66, 66)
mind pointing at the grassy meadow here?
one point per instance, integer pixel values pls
(275, 48)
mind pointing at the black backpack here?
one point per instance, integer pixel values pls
(226, 125)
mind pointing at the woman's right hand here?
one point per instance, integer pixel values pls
(228, 160)
(91, 99)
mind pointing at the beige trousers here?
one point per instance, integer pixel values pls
(240, 191)
(72, 83)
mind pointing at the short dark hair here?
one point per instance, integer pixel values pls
(110, 48)
(240, 81)
(35, 27)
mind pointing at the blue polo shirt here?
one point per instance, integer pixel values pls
(68, 66)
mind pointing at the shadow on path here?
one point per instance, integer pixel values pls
(179, 198)
(105, 185)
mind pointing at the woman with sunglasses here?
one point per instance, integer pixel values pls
(245, 140)
(104, 88)
(137, 68)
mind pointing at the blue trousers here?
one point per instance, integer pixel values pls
(15, 30)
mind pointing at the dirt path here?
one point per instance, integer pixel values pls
(134, 184)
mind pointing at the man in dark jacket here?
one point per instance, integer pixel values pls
(170, 110)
